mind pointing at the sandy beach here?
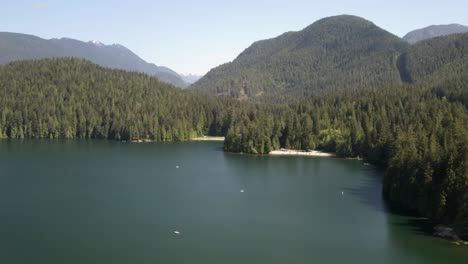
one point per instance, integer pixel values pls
(291, 152)
(207, 138)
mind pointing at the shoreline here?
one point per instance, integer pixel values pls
(208, 138)
(147, 140)
(292, 152)
(449, 234)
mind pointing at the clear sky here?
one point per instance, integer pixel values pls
(195, 36)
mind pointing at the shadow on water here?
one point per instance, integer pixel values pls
(419, 226)
(369, 193)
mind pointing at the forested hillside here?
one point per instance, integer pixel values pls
(343, 52)
(72, 98)
(16, 47)
(437, 61)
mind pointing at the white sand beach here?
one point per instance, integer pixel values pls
(291, 152)
(208, 138)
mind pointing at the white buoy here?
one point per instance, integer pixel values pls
(242, 190)
(177, 232)
(342, 193)
(177, 166)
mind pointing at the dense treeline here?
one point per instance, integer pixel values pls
(72, 98)
(420, 136)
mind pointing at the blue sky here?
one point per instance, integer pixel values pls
(195, 36)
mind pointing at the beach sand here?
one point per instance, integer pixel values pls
(291, 152)
(207, 138)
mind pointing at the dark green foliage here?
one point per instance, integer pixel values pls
(446, 56)
(461, 223)
(343, 52)
(69, 98)
(421, 138)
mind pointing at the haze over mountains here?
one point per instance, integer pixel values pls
(15, 46)
(434, 31)
(190, 78)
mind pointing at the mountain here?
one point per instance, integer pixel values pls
(332, 53)
(14, 47)
(434, 31)
(190, 78)
(436, 60)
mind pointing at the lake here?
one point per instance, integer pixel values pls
(111, 202)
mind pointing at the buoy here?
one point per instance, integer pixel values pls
(342, 193)
(177, 232)
(242, 190)
(177, 166)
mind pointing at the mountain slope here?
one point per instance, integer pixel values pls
(332, 53)
(74, 98)
(437, 58)
(434, 31)
(14, 47)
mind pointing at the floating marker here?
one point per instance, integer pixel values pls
(342, 193)
(177, 166)
(242, 190)
(177, 232)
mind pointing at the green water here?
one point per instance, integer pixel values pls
(110, 202)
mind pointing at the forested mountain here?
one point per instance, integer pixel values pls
(437, 60)
(333, 53)
(14, 47)
(434, 31)
(72, 98)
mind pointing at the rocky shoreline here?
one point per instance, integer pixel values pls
(448, 233)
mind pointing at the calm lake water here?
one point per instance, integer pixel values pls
(110, 202)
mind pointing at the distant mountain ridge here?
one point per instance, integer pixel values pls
(15, 46)
(332, 53)
(190, 78)
(434, 31)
